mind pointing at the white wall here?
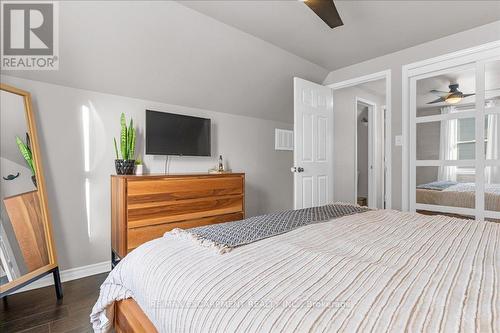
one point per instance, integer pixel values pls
(395, 61)
(247, 144)
(19, 185)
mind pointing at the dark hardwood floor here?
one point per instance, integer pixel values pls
(39, 310)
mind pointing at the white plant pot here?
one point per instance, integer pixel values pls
(138, 169)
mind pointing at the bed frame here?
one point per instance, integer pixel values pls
(129, 317)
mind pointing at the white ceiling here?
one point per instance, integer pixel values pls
(371, 28)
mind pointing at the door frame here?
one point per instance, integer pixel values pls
(372, 184)
(385, 74)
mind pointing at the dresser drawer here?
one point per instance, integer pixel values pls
(146, 191)
(181, 210)
(140, 235)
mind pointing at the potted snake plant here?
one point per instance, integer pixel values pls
(125, 165)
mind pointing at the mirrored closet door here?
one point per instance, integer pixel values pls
(454, 140)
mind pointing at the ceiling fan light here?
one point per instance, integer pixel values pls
(453, 99)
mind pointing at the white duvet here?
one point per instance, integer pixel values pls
(379, 271)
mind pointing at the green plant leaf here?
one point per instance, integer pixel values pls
(132, 144)
(26, 152)
(123, 137)
(116, 148)
(130, 136)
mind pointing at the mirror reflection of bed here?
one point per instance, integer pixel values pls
(455, 140)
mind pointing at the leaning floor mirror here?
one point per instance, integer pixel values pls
(27, 250)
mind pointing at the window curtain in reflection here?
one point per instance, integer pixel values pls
(448, 149)
(493, 148)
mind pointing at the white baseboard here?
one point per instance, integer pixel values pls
(68, 275)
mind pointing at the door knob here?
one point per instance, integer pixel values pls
(297, 169)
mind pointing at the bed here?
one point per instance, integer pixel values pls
(453, 194)
(378, 270)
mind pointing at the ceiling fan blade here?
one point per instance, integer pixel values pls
(467, 95)
(439, 100)
(327, 11)
(438, 92)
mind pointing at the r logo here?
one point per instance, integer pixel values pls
(28, 29)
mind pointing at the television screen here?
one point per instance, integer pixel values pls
(175, 134)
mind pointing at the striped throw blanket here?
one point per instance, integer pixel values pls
(225, 236)
(380, 271)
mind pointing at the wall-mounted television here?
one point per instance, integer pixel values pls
(175, 134)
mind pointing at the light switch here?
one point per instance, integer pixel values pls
(398, 140)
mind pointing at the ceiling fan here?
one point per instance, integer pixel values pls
(326, 11)
(453, 96)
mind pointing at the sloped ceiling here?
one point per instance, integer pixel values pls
(236, 57)
(166, 52)
(371, 28)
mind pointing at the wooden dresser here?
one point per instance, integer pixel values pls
(145, 207)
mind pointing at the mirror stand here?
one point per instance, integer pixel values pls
(57, 283)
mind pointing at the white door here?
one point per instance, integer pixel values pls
(313, 144)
